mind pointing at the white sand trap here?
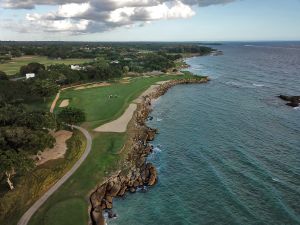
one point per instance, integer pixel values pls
(93, 86)
(162, 82)
(64, 103)
(119, 125)
(59, 149)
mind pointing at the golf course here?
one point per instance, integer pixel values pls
(102, 104)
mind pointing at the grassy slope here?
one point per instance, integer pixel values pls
(14, 65)
(30, 187)
(72, 198)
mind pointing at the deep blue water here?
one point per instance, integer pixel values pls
(228, 152)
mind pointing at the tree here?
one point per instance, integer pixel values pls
(12, 162)
(44, 88)
(32, 68)
(126, 69)
(3, 76)
(71, 116)
(38, 120)
(23, 139)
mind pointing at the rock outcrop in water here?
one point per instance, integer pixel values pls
(293, 101)
(136, 171)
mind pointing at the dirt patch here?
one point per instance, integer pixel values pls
(54, 102)
(59, 149)
(162, 82)
(119, 125)
(93, 86)
(64, 103)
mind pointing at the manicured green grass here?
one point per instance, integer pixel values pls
(12, 67)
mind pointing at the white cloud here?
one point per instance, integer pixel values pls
(83, 16)
(72, 9)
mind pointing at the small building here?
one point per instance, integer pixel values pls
(30, 75)
(75, 67)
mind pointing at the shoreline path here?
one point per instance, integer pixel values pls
(29, 213)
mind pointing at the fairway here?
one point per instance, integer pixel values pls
(13, 66)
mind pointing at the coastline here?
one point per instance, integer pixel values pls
(135, 172)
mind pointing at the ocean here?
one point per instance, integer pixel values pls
(227, 152)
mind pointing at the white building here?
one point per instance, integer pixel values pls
(75, 67)
(30, 75)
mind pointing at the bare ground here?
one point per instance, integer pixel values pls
(59, 149)
(64, 103)
(93, 85)
(119, 125)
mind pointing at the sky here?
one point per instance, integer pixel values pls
(150, 20)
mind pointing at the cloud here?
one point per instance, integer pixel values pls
(83, 16)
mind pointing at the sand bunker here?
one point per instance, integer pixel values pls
(162, 82)
(59, 149)
(119, 125)
(64, 103)
(93, 86)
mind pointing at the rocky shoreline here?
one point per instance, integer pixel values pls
(136, 171)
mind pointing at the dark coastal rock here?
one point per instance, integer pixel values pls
(122, 191)
(152, 175)
(293, 101)
(108, 202)
(151, 134)
(115, 188)
(97, 215)
(132, 189)
(111, 214)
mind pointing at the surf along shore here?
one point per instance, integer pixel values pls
(134, 170)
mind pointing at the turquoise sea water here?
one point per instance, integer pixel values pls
(227, 152)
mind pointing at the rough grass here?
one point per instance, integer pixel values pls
(13, 66)
(32, 186)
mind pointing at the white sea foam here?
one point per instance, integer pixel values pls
(156, 149)
(238, 84)
(258, 85)
(158, 119)
(275, 179)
